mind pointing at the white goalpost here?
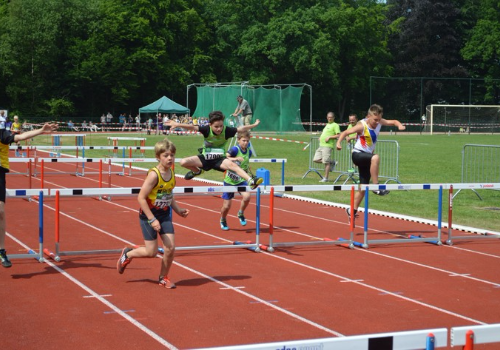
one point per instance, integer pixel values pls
(461, 119)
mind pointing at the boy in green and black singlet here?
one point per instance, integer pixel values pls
(213, 155)
(239, 154)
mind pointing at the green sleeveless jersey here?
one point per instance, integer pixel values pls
(214, 146)
(232, 178)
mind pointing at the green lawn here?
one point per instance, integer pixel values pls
(422, 159)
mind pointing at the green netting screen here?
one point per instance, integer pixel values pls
(277, 108)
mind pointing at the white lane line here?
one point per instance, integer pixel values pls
(345, 278)
(96, 295)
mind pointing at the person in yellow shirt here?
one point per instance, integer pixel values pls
(326, 145)
(157, 202)
(15, 129)
(6, 138)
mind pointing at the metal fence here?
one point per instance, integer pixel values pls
(480, 164)
(346, 171)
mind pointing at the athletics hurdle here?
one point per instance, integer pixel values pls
(427, 339)
(92, 192)
(115, 140)
(480, 163)
(56, 141)
(402, 238)
(469, 335)
(28, 194)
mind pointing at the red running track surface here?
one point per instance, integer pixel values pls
(231, 297)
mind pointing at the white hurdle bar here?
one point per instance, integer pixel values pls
(122, 161)
(427, 339)
(469, 335)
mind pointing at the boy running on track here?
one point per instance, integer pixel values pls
(363, 153)
(213, 155)
(239, 154)
(155, 200)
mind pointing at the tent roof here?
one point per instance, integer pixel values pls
(164, 105)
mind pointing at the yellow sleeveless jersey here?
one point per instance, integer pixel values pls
(160, 198)
(6, 138)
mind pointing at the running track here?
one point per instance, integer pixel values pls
(235, 296)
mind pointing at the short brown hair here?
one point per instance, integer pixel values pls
(376, 109)
(244, 133)
(215, 116)
(164, 146)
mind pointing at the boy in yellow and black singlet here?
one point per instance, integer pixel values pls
(6, 138)
(240, 154)
(156, 201)
(213, 155)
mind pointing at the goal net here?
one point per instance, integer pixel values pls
(461, 119)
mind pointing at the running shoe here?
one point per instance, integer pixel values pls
(123, 261)
(323, 180)
(223, 225)
(348, 212)
(4, 259)
(333, 164)
(243, 221)
(165, 282)
(190, 174)
(381, 192)
(255, 181)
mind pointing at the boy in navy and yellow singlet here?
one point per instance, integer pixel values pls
(240, 154)
(213, 155)
(156, 201)
(6, 138)
(363, 155)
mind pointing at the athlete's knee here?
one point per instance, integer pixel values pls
(168, 251)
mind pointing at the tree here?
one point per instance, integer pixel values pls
(482, 48)
(427, 45)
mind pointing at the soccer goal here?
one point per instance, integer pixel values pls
(461, 119)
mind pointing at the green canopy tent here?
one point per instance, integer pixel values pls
(163, 105)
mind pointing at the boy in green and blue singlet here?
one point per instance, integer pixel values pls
(213, 154)
(240, 154)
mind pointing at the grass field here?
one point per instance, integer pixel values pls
(422, 159)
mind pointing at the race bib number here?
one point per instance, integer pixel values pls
(163, 200)
(235, 177)
(214, 153)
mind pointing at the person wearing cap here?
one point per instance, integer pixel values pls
(243, 109)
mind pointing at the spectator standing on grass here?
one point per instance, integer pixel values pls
(109, 120)
(351, 138)
(326, 144)
(103, 122)
(138, 122)
(243, 109)
(16, 127)
(7, 138)
(156, 200)
(363, 154)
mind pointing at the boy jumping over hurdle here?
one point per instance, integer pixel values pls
(363, 153)
(213, 153)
